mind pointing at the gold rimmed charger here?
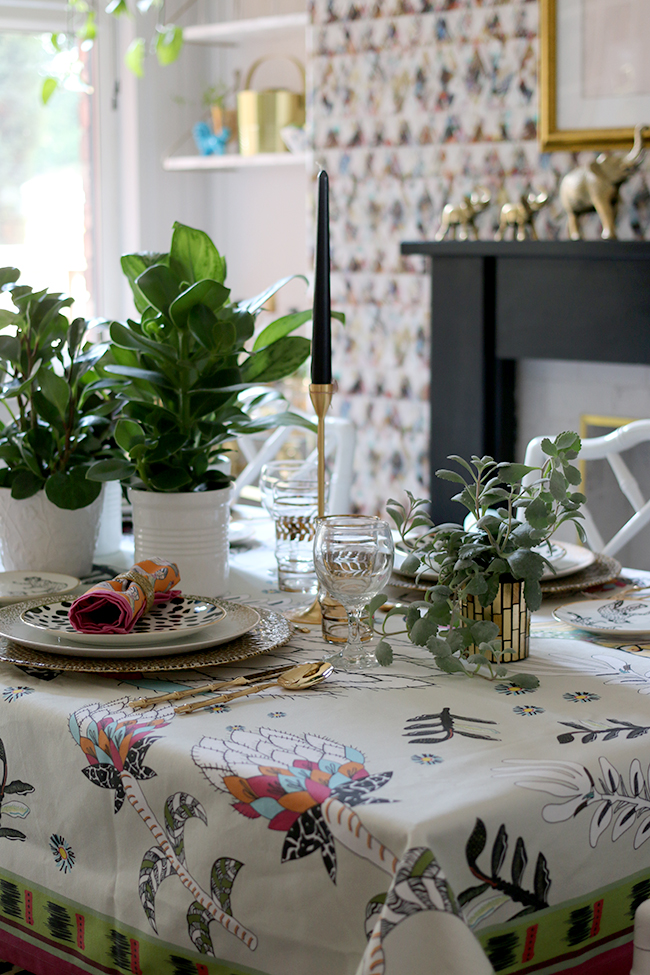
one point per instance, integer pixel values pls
(272, 631)
(603, 569)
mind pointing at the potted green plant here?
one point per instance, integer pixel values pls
(57, 422)
(214, 99)
(177, 371)
(488, 568)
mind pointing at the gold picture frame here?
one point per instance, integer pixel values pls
(552, 138)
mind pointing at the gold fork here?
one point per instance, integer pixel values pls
(217, 685)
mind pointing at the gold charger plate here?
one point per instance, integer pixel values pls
(602, 570)
(272, 631)
(398, 581)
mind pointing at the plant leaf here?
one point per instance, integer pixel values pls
(135, 55)
(110, 470)
(133, 265)
(525, 680)
(169, 43)
(55, 389)
(159, 286)
(253, 305)
(205, 292)
(526, 564)
(128, 338)
(513, 473)
(537, 513)
(71, 490)
(384, 653)
(276, 361)
(50, 85)
(451, 476)
(128, 433)
(26, 484)
(281, 327)
(193, 256)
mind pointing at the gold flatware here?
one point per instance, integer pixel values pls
(297, 679)
(215, 685)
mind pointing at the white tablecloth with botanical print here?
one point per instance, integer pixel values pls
(401, 820)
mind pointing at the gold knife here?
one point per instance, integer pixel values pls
(143, 702)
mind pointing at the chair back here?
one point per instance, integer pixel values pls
(609, 448)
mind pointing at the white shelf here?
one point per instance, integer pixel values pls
(234, 162)
(236, 31)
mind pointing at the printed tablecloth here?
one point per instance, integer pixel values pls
(396, 821)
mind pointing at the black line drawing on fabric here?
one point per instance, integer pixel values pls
(499, 890)
(444, 725)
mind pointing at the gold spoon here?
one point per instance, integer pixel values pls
(297, 679)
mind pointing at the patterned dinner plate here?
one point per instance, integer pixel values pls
(238, 621)
(23, 584)
(607, 617)
(180, 617)
(259, 632)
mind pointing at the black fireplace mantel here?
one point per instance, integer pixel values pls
(493, 303)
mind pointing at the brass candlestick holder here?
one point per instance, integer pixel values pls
(321, 397)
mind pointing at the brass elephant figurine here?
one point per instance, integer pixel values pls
(596, 187)
(460, 217)
(520, 215)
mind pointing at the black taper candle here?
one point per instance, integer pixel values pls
(321, 346)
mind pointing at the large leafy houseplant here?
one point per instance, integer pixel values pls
(58, 412)
(178, 370)
(515, 510)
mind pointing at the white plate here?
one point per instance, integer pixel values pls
(168, 621)
(575, 559)
(240, 532)
(240, 620)
(24, 584)
(565, 559)
(607, 617)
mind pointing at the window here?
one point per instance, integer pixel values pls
(45, 166)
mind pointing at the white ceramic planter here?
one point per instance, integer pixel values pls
(109, 538)
(190, 529)
(35, 534)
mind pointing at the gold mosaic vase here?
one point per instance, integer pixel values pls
(510, 613)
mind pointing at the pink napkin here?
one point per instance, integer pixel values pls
(115, 606)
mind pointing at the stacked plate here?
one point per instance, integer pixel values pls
(184, 624)
(575, 568)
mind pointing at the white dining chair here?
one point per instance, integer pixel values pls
(340, 442)
(609, 448)
(641, 959)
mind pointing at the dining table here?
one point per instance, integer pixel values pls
(391, 821)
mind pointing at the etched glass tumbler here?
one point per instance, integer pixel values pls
(353, 558)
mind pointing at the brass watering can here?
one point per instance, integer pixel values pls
(262, 114)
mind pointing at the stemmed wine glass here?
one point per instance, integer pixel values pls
(353, 558)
